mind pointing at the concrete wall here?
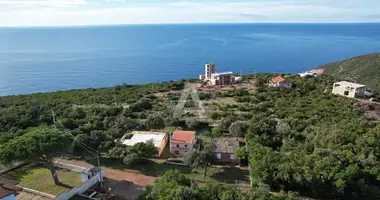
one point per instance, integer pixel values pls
(68, 166)
(11, 166)
(182, 150)
(346, 91)
(224, 158)
(82, 188)
(10, 197)
(285, 85)
(162, 146)
(38, 193)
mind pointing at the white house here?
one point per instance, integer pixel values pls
(348, 89)
(182, 142)
(159, 139)
(280, 82)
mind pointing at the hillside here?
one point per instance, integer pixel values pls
(362, 69)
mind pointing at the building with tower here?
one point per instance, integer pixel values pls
(212, 77)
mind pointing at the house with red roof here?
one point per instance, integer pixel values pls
(280, 82)
(182, 142)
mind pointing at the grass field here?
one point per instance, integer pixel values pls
(157, 167)
(40, 179)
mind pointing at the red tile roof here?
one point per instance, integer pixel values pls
(278, 79)
(5, 192)
(180, 137)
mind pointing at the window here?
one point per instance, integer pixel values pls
(218, 156)
(232, 157)
(176, 152)
(177, 145)
(346, 93)
(185, 145)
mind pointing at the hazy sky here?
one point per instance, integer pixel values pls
(100, 12)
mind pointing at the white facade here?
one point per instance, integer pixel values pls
(348, 89)
(181, 149)
(283, 84)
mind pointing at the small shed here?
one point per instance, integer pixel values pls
(223, 149)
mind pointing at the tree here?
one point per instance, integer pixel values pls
(39, 145)
(216, 132)
(166, 186)
(118, 151)
(144, 149)
(192, 124)
(238, 129)
(140, 151)
(155, 122)
(240, 153)
(197, 159)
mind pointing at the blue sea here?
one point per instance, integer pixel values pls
(62, 58)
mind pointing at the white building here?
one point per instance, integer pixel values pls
(348, 89)
(280, 82)
(159, 139)
(212, 77)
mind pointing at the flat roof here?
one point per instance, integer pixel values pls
(225, 145)
(145, 136)
(350, 84)
(223, 73)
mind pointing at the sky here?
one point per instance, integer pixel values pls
(109, 12)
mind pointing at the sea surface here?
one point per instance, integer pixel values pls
(61, 58)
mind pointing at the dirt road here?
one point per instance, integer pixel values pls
(121, 182)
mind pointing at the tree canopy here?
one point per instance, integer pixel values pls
(40, 145)
(175, 186)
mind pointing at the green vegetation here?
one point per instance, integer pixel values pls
(139, 152)
(175, 186)
(310, 141)
(39, 178)
(39, 145)
(303, 139)
(362, 69)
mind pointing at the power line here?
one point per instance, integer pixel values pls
(74, 139)
(80, 143)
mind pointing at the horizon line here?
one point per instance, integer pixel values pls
(201, 23)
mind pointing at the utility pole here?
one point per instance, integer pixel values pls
(52, 113)
(101, 178)
(114, 96)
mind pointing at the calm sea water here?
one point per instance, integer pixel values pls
(49, 59)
